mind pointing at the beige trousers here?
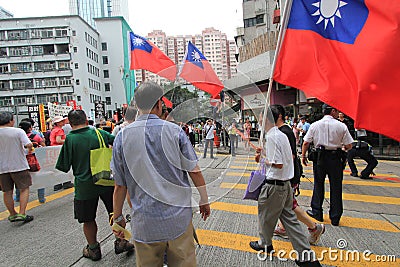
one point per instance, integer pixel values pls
(180, 251)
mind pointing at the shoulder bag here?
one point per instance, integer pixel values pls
(100, 159)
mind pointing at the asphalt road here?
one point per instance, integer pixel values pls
(370, 225)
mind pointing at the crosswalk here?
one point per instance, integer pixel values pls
(370, 221)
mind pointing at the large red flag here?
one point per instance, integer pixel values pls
(347, 54)
(145, 55)
(198, 71)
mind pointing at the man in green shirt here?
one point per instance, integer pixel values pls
(75, 152)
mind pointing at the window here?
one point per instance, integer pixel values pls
(2, 35)
(103, 46)
(42, 83)
(22, 84)
(65, 81)
(5, 101)
(105, 60)
(250, 22)
(18, 35)
(107, 87)
(21, 67)
(20, 51)
(76, 66)
(3, 68)
(108, 100)
(259, 19)
(75, 49)
(4, 85)
(45, 66)
(106, 74)
(37, 50)
(61, 32)
(47, 33)
(63, 65)
(77, 82)
(66, 97)
(3, 52)
(79, 98)
(73, 33)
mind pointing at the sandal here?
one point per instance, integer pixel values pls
(23, 218)
(12, 218)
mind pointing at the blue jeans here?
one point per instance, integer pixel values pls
(39, 191)
(208, 142)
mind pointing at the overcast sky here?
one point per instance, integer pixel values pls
(174, 17)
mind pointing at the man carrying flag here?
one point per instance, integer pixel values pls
(145, 55)
(198, 71)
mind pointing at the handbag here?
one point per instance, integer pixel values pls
(256, 181)
(33, 162)
(100, 159)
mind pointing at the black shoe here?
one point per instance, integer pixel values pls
(308, 263)
(366, 177)
(354, 174)
(58, 187)
(254, 245)
(122, 245)
(319, 218)
(335, 223)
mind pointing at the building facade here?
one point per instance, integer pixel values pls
(91, 9)
(57, 59)
(215, 46)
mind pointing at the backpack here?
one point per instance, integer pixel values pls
(31, 137)
(47, 138)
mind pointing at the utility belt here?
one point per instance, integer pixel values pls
(322, 153)
(276, 182)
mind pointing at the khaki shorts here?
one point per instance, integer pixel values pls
(21, 179)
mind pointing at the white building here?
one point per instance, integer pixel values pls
(91, 9)
(56, 59)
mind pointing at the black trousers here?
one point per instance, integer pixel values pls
(364, 154)
(330, 163)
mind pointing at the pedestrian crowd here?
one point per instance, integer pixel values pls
(157, 184)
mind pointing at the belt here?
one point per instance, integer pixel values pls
(276, 182)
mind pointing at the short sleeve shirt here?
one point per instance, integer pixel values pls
(12, 152)
(328, 132)
(278, 151)
(151, 157)
(57, 131)
(210, 131)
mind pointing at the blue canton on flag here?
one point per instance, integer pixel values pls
(139, 42)
(195, 56)
(340, 20)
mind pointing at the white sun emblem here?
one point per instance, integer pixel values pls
(327, 10)
(196, 56)
(137, 41)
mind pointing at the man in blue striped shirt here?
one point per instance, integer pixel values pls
(151, 159)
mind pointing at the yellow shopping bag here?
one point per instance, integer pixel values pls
(100, 159)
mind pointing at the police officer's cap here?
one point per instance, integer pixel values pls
(326, 107)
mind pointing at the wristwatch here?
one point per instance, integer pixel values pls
(119, 218)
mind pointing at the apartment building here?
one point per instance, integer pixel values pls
(62, 58)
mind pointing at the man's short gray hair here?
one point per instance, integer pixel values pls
(147, 95)
(5, 117)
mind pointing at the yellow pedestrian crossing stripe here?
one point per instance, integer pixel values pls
(241, 242)
(346, 196)
(351, 182)
(351, 222)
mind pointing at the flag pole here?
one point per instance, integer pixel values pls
(281, 35)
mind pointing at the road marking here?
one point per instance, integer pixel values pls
(352, 222)
(352, 182)
(36, 203)
(241, 242)
(346, 196)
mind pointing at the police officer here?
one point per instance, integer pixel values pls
(363, 150)
(328, 136)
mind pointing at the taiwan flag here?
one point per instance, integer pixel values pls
(347, 54)
(145, 55)
(198, 71)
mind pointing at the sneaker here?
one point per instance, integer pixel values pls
(122, 245)
(93, 254)
(128, 217)
(280, 232)
(316, 233)
(16, 199)
(354, 174)
(42, 200)
(57, 187)
(67, 185)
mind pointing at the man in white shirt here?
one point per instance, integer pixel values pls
(276, 197)
(14, 168)
(328, 136)
(209, 140)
